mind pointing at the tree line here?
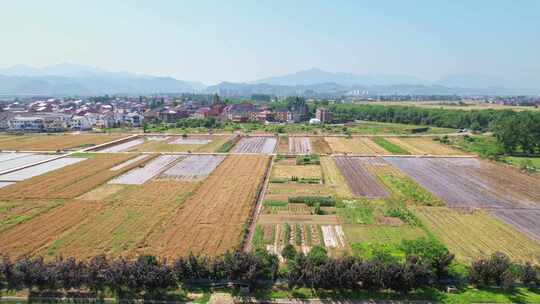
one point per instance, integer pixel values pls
(152, 277)
(514, 131)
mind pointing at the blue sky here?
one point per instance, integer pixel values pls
(212, 41)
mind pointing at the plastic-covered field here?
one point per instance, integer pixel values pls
(140, 175)
(193, 167)
(43, 168)
(10, 161)
(123, 146)
(265, 145)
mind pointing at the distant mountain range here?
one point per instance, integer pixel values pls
(72, 79)
(315, 76)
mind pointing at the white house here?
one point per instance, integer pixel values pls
(80, 123)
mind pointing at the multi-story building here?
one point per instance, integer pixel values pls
(323, 115)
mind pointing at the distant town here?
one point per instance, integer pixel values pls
(54, 114)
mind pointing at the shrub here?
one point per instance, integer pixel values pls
(312, 200)
(308, 160)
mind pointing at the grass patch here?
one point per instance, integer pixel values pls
(228, 145)
(258, 238)
(84, 154)
(354, 212)
(390, 147)
(410, 190)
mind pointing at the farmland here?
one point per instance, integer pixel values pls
(511, 196)
(283, 144)
(70, 181)
(123, 222)
(10, 161)
(423, 145)
(287, 170)
(193, 167)
(211, 220)
(355, 145)
(320, 145)
(333, 178)
(152, 169)
(264, 145)
(42, 168)
(141, 197)
(55, 142)
(299, 145)
(193, 143)
(470, 234)
(40, 231)
(360, 181)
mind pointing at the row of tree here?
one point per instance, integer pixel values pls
(152, 277)
(514, 131)
(518, 132)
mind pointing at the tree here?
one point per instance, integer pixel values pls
(493, 270)
(530, 275)
(429, 252)
(289, 252)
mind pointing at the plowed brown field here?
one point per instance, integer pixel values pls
(55, 142)
(70, 181)
(360, 181)
(212, 220)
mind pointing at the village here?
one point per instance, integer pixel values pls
(67, 114)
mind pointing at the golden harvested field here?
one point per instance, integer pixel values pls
(17, 211)
(70, 181)
(102, 192)
(413, 149)
(211, 221)
(320, 145)
(125, 220)
(280, 171)
(56, 142)
(423, 145)
(41, 231)
(278, 191)
(355, 145)
(283, 145)
(168, 146)
(473, 234)
(333, 178)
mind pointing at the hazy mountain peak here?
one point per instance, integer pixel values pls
(315, 76)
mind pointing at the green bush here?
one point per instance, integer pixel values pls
(312, 200)
(308, 160)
